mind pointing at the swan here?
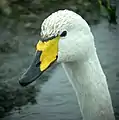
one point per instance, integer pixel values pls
(67, 39)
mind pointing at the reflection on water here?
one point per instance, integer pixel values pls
(57, 100)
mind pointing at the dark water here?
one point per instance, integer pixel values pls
(57, 100)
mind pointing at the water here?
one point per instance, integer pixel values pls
(56, 99)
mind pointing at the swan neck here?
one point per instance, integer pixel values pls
(90, 86)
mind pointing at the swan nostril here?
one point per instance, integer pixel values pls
(38, 64)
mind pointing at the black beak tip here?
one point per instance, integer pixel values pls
(22, 83)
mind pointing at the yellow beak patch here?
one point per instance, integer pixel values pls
(49, 52)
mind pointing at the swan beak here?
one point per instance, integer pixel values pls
(45, 56)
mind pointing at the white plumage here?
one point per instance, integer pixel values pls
(77, 53)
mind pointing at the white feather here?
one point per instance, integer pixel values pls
(77, 53)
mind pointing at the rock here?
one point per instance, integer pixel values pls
(27, 25)
(74, 8)
(2, 98)
(30, 17)
(11, 97)
(37, 2)
(4, 6)
(10, 45)
(2, 110)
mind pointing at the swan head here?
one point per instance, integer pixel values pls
(66, 37)
(75, 38)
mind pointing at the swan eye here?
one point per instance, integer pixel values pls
(63, 34)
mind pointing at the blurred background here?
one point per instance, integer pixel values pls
(52, 96)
